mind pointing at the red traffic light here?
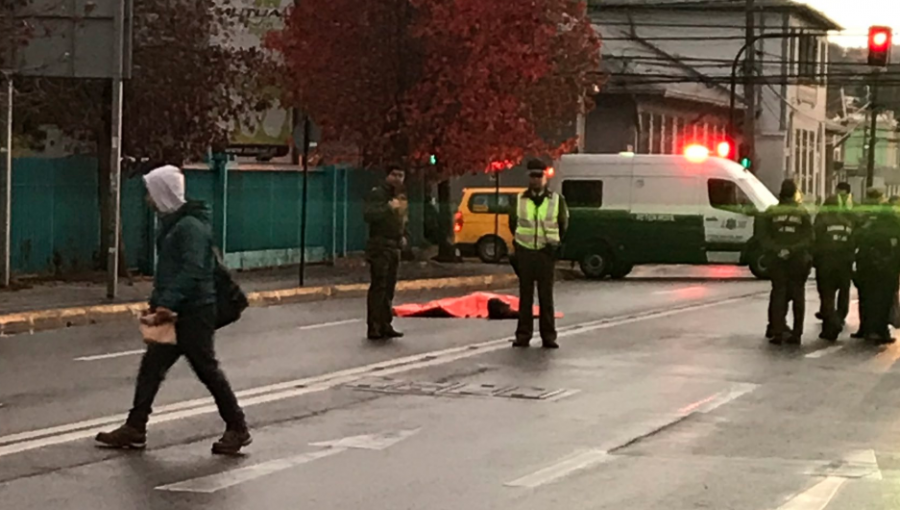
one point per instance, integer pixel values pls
(880, 41)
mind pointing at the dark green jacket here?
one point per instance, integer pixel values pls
(787, 226)
(834, 229)
(878, 240)
(385, 224)
(184, 270)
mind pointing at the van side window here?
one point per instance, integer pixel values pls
(583, 193)
(727, 195)
(487, 203)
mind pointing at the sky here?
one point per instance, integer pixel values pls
(858, 15)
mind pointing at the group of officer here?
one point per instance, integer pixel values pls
(846, 245)
(538, 224)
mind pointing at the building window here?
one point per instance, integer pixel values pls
(808, 58)
(656, 133)
(669, 140)
(644, 137)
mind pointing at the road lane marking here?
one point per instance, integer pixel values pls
(816, 498)
(217, 482)
(590, 458)
(214, 483)
(328, 324)
(111, 355)
(61, 434)
(562, 469)
(821, 353)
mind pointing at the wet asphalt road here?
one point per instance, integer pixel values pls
(663, 396)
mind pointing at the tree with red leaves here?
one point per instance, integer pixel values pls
(469, 81)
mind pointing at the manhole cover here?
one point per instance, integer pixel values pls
(478, 390)
(530, 393)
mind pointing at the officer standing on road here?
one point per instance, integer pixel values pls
(539, 225)
(787, 238)
(877, 267)
(385, 215)
(833, 257)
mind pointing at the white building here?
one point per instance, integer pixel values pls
(686, 43)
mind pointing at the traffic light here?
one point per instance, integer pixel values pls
(744, 156)
(432, 160)
(880, 41)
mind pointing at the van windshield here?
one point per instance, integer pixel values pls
(759, 194)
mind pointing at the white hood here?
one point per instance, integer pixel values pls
(166, 187)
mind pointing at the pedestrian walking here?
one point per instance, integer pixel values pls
(787, 238)
(385, 214)
(538, 225)
(877, 268)
(833, 256)
(184, 291)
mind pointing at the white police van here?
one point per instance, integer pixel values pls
(629, 209)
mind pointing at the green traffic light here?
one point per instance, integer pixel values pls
(433, 159)
(745, 162)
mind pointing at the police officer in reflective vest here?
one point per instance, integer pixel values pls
(539, 225)
(833, 257)
(787, 238)
(877, 267)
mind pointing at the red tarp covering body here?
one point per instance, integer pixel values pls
(474, 305)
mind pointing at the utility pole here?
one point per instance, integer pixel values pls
(115, 169)
(6, 187)
(873, 132)
(749, 82)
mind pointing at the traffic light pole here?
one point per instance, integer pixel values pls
(749, 82)
(873, 133)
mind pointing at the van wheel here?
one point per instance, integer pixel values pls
(597, 265)
(758, 265)
(620, 271)
(491, 249)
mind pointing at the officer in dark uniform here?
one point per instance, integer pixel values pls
(787, 238)
(833, 258)
(384, 213)
(538, 223)
(877, 268)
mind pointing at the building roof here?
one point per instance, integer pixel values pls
(811, 14)
(633, 64)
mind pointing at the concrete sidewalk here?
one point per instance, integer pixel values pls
(50, 305)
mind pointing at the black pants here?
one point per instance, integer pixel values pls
(536, 267)
(788, 284)
(195, 332)
(833, 282)
(877, 290)
(384, 263)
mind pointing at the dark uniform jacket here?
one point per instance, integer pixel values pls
(386, 225)
(185, 268)
(834, 237)
(878, 240)
(787, 226)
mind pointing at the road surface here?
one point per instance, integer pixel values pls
(663, 396)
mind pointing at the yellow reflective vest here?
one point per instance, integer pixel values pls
(537, 227)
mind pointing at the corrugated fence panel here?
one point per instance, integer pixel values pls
(55, 216)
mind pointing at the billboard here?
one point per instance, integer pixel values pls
(267, 139)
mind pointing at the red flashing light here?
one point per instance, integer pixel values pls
(458, 222)
(550, 172)
(696, 153)
(724, 150)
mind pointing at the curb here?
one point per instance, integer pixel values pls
(59, 318)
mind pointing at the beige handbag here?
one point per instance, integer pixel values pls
(153, 333)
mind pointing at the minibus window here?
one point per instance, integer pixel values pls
(583, 193)
(487, 203)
